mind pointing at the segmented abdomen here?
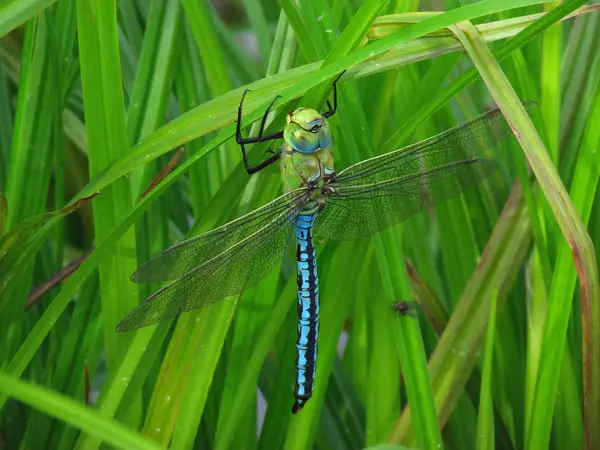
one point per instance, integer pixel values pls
(308, 311)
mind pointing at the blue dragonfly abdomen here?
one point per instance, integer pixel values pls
(308, 311)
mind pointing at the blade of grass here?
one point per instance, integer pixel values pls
(348, 41)
(289, 85)
(3, 215)
(107, 141)
(17, 12)
(583, 254)
(103, 250)
(409, 344)
(260, 27)
(311, 45)
(74, 413)
(550, 83)
(485, 421)
(312, 81)
(6, 126)
(455, 354)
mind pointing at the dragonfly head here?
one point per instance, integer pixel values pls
(307, 130)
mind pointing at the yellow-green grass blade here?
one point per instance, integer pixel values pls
(103, 250)
(175, 382)
(259, 24)
(3, 215)
(409, 344)
(176, 230)
(75, 413)
(16, 12)
(583, 254)
(485, 419)
(215, 68)
(550, 83)
(455, 355)
(574, 231)
(256, 114)
(349, 40)
(107, 141)
(291, 84)
(310, 36)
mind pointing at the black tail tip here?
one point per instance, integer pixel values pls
(298, 405)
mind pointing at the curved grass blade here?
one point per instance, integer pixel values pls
(237, 268)
(190, 254)
(74, 413)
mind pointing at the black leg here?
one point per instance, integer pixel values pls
(332, 111)
(264, 119)
(260, 138)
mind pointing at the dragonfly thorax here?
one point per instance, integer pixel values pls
(307, 131)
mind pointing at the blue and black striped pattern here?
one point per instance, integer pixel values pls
(308, 311)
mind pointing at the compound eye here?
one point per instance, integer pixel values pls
(315, 128)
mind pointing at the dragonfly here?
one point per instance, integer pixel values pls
(354, 203)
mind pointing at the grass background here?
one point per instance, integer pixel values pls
(95, 97)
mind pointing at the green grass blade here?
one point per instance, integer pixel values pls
(409, 343)
(571, 226)
(102, 251)
(223, 377)
(550, 84)
(260, 26)
(17, 12)
(3, 215)
(221, 111)
(455, 355)
(107, 141)
(485, 421)
(73, 413)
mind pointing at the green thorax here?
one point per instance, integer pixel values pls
(307, 153)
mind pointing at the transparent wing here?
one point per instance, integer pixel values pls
(230, 272)
(462, 142)
(192, 253)
(382, 191)
(356, 211)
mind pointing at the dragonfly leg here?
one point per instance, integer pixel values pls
(333, 110)
(260, 138)
(266, 114)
